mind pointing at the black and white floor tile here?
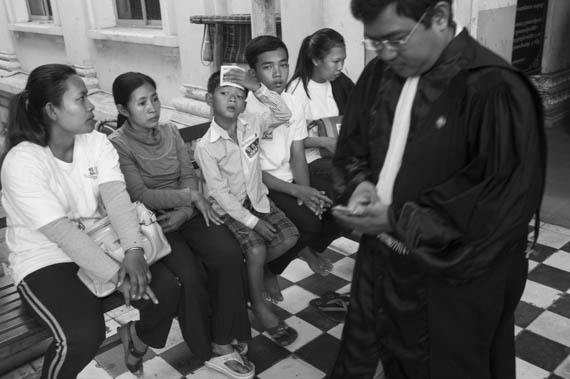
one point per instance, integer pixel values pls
(542, 318)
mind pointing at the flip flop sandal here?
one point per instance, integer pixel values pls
(269, 299)
(332, 308)
(219, 363)
(283, 334)
(127, 341)
(329, 295)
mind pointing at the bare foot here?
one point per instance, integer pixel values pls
(272, 290)
(266, 317)
(319, 264)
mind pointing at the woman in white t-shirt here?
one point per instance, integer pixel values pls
(57, 169)
(318, 83)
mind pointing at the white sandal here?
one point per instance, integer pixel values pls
(218, 363)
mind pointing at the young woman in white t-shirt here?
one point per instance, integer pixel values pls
(57, 169)
(318, 83)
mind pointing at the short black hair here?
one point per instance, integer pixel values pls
(260, 45)
(368, 10)
(214, 82)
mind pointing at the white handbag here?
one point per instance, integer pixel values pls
(101, 231)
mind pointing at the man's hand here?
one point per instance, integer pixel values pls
(313, 199)
(136, 268)
(206, 209)
(243, 78)
(172, 220)
(264, 229)
(371, 219)
(364, 194)
(364, 212)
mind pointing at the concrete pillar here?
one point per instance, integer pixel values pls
(556, 55)
(554, 81)
(263, 18)
(8, 59)
(74, 19)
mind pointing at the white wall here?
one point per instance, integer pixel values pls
(160, 63)
(35, 49)
(337, 16)
(190, 38)
(298, 22)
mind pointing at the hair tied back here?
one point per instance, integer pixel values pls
(25, 94)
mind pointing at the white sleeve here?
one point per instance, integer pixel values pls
(107, 163)
(25, 184)
(300, 126)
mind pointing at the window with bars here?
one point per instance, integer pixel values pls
(138, 13)
(234, 32)
(40, 9)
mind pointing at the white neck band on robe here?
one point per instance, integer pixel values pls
(399, 137)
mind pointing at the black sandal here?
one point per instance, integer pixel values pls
(127, 341)
(283, 334)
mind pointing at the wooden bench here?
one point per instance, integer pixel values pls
(22, 337)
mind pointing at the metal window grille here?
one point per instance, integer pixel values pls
(39, 9)
(236, 33)
(139, 13)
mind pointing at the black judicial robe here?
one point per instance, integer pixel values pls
(472, 177)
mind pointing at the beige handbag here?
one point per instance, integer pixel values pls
(101, 231)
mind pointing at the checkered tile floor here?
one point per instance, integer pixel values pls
(542, 319)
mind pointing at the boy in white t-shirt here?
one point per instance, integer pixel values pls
(285, 170)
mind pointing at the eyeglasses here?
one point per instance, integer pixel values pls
(392, 44)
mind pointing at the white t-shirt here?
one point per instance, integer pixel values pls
(33, 196)
(321, 104)
(276, 146)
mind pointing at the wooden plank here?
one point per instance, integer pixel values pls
(217, 52)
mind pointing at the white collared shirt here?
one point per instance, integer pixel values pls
(232, 170)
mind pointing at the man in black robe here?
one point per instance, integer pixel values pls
(441, 264)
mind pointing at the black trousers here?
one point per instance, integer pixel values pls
(75, 318)
(210, 265)
(320, 171)
(470, 327)
(315, 233)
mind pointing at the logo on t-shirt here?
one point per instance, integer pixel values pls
(93, 173)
